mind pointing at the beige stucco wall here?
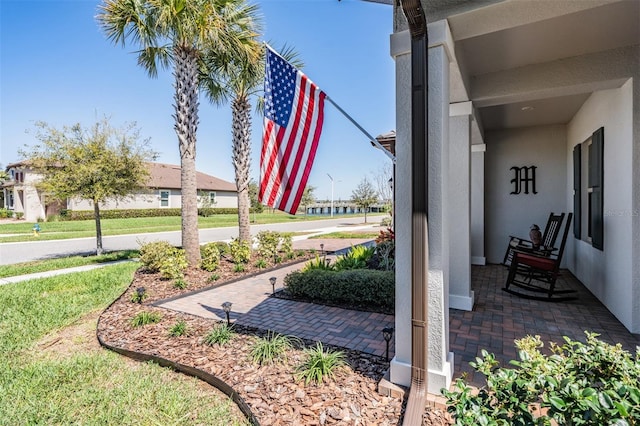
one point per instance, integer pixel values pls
(510, 214)
(608, 273)
(151, 200)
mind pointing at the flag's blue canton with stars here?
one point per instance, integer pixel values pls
(279, 89)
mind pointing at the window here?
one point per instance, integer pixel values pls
(164, 198)
(212, 198)
(588, 185)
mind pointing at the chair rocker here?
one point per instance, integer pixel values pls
(549, 237)
(534, 275)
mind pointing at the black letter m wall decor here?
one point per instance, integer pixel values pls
(523, 176)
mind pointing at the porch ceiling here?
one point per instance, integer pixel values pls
(519, 60)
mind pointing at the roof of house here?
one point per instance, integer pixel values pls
(168, 176)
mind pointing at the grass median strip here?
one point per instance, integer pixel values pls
(86, 384)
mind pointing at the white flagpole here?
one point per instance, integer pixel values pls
(371, 138)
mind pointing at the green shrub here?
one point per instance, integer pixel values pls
(356, 258)
(210, 254)
(319, 365)
(5, 213)
(578, 384)
(180, 283)
(359, 287)
(261, 263)
(386, 221)
(240, 251)
(238, 267)
(152, 254)
(319, 263)
(178, 329)
(219, 335)
(268, 243)
(214, 277)
(223, 247)
(19, 215)
(270, 349)
(145, 317)
(174, 264)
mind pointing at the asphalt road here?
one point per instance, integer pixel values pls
(33, 250)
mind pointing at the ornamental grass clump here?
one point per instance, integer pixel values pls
(271, 349)
(145, 317)
(320, 365)
(590, 383)
(219, 335)
(178, 329)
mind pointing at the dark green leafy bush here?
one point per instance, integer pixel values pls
(578, 384)
(360, 287)
(67, 214)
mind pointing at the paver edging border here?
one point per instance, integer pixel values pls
(184, 369)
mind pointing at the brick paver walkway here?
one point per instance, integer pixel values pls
(252, 307)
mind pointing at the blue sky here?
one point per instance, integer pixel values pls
(58, 67)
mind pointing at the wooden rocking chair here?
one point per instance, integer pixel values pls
(549, 237)
(535, 273)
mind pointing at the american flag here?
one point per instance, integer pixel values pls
(293, 115)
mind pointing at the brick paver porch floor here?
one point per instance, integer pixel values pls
(499, 317)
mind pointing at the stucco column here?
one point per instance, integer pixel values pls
(460, 294)
(477, 203)
(440, 362)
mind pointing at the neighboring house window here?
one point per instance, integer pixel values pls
(588, 189)
(164, 198)
(10, 200)
(212, 198)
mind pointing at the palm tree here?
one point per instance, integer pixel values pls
(177, 32)
(238, 78)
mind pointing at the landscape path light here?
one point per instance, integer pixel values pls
(226, 307)
(273, 284)
(387, 333)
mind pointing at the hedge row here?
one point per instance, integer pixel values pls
(357, 287)
(130, 213)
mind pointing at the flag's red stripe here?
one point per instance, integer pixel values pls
(312, 154)
(302, 146)
(266, 136)
(276, 163)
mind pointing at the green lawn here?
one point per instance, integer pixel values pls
(63, 262)
(93, 386)
(22, 231)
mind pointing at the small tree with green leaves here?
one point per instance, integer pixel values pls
(308, 197)
(95, 164)
(364, 196)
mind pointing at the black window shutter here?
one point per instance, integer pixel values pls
(596, 183)
(577, 196)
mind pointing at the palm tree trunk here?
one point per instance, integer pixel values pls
(96, 215)
(186, 126)
(241, 110)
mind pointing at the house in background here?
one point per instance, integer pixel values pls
(533, 107)
(162, 191)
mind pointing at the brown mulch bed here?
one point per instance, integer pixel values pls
(272, 392)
